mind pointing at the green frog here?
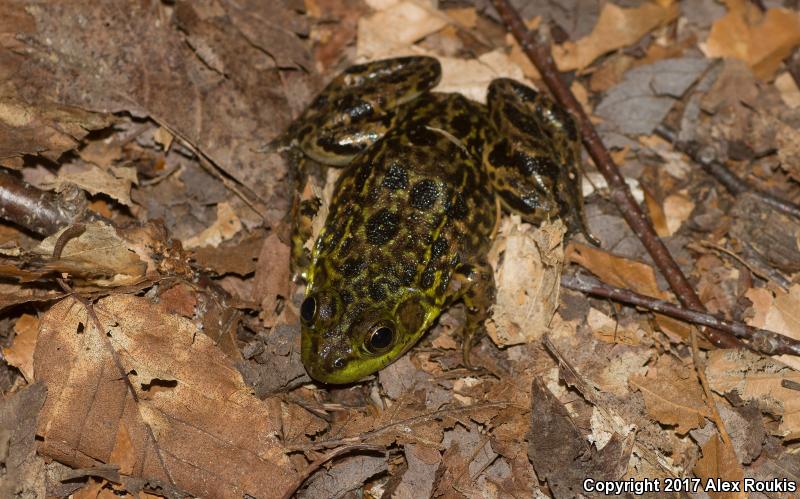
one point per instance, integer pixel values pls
(415, 210)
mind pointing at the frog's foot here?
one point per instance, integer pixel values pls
(360, 105)
(474, 284)
(534, 164)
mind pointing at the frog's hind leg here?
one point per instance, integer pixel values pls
(533, 163)
(359, 106)
(474, 284)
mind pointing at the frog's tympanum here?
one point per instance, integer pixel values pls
(414, 212)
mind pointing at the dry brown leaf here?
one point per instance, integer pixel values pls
(24, 472)
(672, 394)
(273, 279)
(656, 213)
(760, 41)
(527, 281)
(20, 353)
(677, 208)
(607, 329)
(616, 28)
(719, 463)
(102, 249)
(790, 94)
(615, 270)
(780, 313)
(115, 182)
(224, 228)
(393, 29)
(187, 419)
(471, 77)
(757, 379)
(42, 128)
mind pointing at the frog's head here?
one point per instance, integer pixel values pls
(345, 338)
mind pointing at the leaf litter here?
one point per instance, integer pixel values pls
(193, 385)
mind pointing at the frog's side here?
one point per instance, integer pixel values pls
(413, 214)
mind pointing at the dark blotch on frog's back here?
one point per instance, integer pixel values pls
(439, 247)
(423, 194)
(382, 227)
(396, 178)
(428, 277)
(377, 292)
(422, 136)
(457, 207)
(352, 266)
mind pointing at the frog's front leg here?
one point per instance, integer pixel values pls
(360, 105)
(303, 214)
(474, 284)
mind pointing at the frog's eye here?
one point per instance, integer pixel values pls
(380, 339)
(308, 309)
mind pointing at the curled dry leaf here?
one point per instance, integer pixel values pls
(757, 379)
(527, 280)
(719, 462)
(152, 395)
(224, 228)
(112, 257)
(396, 26)
(23, 470)
(790, 94)
(616, 28)
(672, 395)
(760, 40)
(43, 129)
(20, 353)
(779, 312)
(115, 182)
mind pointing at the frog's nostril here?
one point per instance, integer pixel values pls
(338, 363)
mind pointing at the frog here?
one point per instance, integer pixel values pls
(425, 176)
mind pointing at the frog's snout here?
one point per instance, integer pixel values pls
(323, 362)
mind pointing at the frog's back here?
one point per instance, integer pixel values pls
(413, 206)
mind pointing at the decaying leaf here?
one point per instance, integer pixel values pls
(418, 479)
(560, 452)
(42, 128)
(150, 384)
(120, 259)
(224, 228)
(20, 353)
(779, 313)
(617, 27)
(23, 469)
(760, 40)
(410, 21)
(641, 101)
(672, 394)
(757, 379)
(719, 463)
(527, 280)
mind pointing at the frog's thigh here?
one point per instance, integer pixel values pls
(359, 106)
(540, 139)
(474, 283)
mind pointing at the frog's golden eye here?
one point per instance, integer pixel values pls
(308, 309)
(381, 338)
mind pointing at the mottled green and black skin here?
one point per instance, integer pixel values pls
(414, 212)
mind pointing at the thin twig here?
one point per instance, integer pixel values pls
(761, 340)
(413, 421)
(700, 368)
(311, 468)
(706, 157)
(538, 51)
